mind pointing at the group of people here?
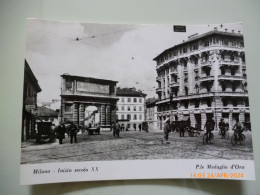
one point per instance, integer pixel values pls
(71, 130)
(209, 127)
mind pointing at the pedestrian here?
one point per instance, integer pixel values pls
(61, 132)
(166, 131)
(209, 126)
(140, 127)
(182, 128)
(135, 127)
(122, 127)
(114, 128)
(117, 128)
(73, 133)
(238, 129)
(222, 127)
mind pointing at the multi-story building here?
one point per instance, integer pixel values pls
(30, 90)
(204, 77)
(130, 107)
(151, 114)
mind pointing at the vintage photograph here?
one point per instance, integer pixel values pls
(112, 92)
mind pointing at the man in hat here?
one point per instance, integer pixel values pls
(222, 127)
(166, 131)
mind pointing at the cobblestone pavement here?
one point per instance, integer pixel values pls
(134, 145)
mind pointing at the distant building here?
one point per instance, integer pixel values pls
(130, 107)
(30, 90)
(44, 114)
(151, 114)
(204, 77)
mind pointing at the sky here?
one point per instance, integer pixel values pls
(118, 52)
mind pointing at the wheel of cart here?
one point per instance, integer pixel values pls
(191, 131)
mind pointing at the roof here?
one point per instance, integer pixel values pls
(45, 112)
(129, 92)
(150, 102)
(28, 72)
(213, 32)
(89, 79)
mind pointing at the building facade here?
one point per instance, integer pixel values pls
(151, 114)
(204, 77)
(78, 93)
(130, 107)
(30, 90)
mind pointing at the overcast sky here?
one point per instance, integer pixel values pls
(123, 53)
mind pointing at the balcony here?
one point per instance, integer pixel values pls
(206, 78)
(231, 77)
(174, 84)
(159, 90)
(229, 62)
(205, 63)
(174, 71)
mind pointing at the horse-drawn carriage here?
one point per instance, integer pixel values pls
(184, 125)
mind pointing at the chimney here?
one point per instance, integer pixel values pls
(233, 31)
(239, 32)
(225, 29)
(215, 28)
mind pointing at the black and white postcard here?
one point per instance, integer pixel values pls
(124, 101)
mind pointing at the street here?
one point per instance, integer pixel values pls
(133, 145)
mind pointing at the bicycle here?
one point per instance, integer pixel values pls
(223, 133)
(207, 140)
(237, 137)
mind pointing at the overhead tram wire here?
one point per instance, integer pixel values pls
(81, 39)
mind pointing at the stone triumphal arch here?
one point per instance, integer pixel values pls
(78, 93)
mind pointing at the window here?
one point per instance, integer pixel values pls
(234, 103)
(140, 117)
(123, 99)
(68, 86)
(184, 50)
(117, 108)
(140, 108)
(122, 108)
(197, 103)
(134, 108)
(135, 117)
(225, 42)
(135, 100)
(224, 102)
(68, 107)
(122, 116)
(129, 100)
(117, 117)
(129, 117)
(206, 43)
(208, 102)
(140, 100)
(128, 108)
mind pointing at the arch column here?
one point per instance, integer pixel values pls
(108, 115)
(75, 115)
(81, 114)
(102, 115)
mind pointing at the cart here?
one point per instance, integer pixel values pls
(45, 132)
